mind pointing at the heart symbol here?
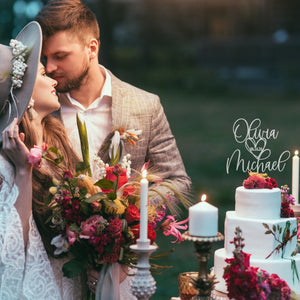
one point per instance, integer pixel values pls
(257, 148)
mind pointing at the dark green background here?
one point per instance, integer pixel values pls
(211, 62)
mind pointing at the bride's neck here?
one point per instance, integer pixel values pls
(36, 123)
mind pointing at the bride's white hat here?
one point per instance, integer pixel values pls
(16, 85)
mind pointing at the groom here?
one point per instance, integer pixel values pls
(105, 103)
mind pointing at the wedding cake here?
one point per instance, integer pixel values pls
(270, 239)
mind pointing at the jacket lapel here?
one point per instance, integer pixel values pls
(120, 116)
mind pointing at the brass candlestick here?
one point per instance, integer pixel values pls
(205, 282)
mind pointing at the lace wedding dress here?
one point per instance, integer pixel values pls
(26, 272)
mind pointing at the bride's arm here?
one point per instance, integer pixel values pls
(17, 152)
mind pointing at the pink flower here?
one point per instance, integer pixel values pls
(35, 156)
(89, 226)
(298, 232)
(170, 227)
(71, 236)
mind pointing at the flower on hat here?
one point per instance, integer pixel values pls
(19, 66)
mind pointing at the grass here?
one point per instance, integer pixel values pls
(202, 125)
(201, 110)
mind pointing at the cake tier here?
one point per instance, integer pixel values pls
(280, 267)
(257, 243)
(258, 203)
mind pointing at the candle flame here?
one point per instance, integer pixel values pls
(144, 173)
(296, 152)
(203, 197)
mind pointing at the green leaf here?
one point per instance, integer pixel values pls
(268, 232)
(74, 227)
(84, 143)
(266, 225)
(84, 207)
(112, 195)
(74, 267)
(274, 228)
(115, 159)
(95, 197)
(81, 167)
(105, 184)
(48, 199)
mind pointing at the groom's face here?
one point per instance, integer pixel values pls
(66, 60)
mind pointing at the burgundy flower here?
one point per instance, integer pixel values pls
(67, 175)
(114, 229)
(270, 183)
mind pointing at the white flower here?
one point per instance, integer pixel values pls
(19, 66)
(61, 244)
(115, 144)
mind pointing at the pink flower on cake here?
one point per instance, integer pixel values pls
(259, 181)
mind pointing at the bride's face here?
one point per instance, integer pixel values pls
(44, 93)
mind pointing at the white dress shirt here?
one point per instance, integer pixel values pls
(97, 117)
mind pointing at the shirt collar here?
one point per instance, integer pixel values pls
(106, 91)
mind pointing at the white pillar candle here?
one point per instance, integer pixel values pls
(295, 177)
(144, 208)
(203, 219)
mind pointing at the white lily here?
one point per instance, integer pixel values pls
(61, 243)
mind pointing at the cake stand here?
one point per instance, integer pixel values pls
(203, 245)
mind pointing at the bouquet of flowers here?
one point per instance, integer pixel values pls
(98, 221)
(246, 282)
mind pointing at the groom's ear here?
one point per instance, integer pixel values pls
(93, 46)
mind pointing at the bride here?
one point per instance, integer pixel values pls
(28, 267)
(28, 95)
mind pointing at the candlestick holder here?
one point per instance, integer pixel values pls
(205, 282)
(143, 285)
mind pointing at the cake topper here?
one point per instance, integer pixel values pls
(255, 141)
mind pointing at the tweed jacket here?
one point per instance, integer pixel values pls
(136, 109)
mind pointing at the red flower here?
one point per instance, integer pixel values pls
(128, 191)
(254, 182)
(110, 175)
(136, 232)
(132, 214)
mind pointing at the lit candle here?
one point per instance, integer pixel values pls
(295, 177)
(203, 219)
(144, 208)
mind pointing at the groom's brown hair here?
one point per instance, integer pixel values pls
(69, 15)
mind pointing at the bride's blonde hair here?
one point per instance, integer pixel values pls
(55, 136)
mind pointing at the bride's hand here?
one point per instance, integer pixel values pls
(93, 275)
(13, 146)
(92, 279)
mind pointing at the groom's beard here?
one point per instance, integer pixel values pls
(67, 84)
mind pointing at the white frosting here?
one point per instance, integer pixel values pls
(253, 208)
(257, 243)
(280, 267)
(258, 203)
